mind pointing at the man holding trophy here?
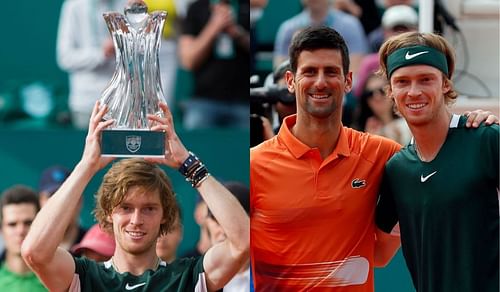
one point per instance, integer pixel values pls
(135, 202)
(135, 88)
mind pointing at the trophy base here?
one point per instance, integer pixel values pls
(132, 143)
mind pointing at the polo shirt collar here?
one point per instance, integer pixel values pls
(298, 149)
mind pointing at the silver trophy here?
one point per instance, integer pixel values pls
(135, 88)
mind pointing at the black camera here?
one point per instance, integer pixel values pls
(271, 94)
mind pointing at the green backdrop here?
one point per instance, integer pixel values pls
(29, 31)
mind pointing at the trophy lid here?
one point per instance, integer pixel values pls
(136, 12)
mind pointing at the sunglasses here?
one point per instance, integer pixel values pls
(370, 93)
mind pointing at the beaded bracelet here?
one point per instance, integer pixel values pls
(194, 170)
(199, 177)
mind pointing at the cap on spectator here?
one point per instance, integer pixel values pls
(399, 15)
(52, 178)
(96, 240)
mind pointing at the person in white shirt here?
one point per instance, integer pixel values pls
(85, 50)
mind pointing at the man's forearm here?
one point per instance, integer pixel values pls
(240, 36)
(386, 246)
(194, 50)
(50, 224)
(228, 212)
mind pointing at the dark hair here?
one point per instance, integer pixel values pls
(315, 38)
(18, 194)
(241, 192)
(365, 110)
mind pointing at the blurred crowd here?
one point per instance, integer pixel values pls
(206, 41)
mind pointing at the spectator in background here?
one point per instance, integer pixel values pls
(96, 244)
(377, 113)
(18, 208)
(50, 181)
(365, 10)
(241, 281)
(176, 10)
(316, 13)
(215, 46)
(397, 18)
(256, 11)
(85, 51)
(167, 244)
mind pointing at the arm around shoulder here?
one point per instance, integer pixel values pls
(387, 235)
(386, 246)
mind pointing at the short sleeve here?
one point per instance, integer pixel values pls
(81, 266)
(189, 273)
(386, 215)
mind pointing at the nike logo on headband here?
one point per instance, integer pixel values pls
(409, 56)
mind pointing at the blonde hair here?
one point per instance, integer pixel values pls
(129, 173)
(409, 39)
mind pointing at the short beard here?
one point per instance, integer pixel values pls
(322, 112)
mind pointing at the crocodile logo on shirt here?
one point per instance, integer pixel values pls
(358, 183)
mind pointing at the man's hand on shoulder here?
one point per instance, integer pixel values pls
(476, 117)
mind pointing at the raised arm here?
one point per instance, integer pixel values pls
(54, 265)
(223, 260)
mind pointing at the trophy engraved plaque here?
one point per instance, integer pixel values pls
(135, 88)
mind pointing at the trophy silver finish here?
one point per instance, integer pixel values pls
(135, 88)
